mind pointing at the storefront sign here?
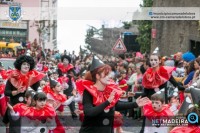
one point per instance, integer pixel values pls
(6, 24)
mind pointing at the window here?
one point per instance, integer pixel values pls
(18, 32)
(2, 31)
(5, 1)
(10, 32)
(7, 32)
(14, 32)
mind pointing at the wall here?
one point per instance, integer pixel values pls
(174, 36)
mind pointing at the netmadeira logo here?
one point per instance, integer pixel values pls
(193, 118)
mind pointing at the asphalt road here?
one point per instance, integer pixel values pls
(73, 126)
(129, 125)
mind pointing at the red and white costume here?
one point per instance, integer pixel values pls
(153, 79)
(21, 81)
(56, 100)
(189, 129)
(30, 114)
(100, 97)
(64, 68)
(3, 100)
(150, 115)
(4, 74)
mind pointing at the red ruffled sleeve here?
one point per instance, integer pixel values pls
(100, 96)
(151, 114)
(65, 69)
(154, 79)
(191, 129)
(2, 88)
(35, 76)
(118, 119)
(40, 114)
(60, 65)
(63, 79)
(20, 81)
(21, 108)
(4, 74)
(80, 85)
(70, 66)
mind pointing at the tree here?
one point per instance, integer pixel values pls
(92, 32)
(127, 25)
(145, 26)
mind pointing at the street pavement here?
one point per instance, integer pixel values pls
(134, 127)
(73, 126)
(129, 125)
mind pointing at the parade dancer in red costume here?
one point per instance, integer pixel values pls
(61, 79)
(17, 111)
(40, 118)
(65, 66)
(182, 129)
(3, 99)
(35, 116)
(118, 118)
(54, 95)
(80, 90)
(156, 77)
(57, 75)
(100, 100)
(67, 70)
(57, 99)
(19, 80)
(156, 110)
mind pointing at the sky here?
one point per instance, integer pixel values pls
(78, 15)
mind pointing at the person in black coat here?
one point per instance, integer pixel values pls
(100, 99)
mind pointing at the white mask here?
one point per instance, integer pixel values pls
(154, 61)
(25, 67)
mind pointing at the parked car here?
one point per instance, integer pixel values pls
(8, 62)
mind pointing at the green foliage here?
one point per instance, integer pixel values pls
(147, 3)
(145, 26)
(82, 51)
(127, 25)
(144, 38)
(90, 34)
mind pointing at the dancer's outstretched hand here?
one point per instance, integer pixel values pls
(112, 96)
(142, 101)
